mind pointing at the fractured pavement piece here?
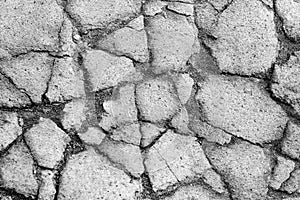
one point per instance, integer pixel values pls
(128, 133)
(93, 136)
(47, 142)
(150, 132)
(47, 188)
(242, 108)
(293, 183)
(291, 142)
(88, 175)
(74, 114)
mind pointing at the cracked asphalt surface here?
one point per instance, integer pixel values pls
(150, 99)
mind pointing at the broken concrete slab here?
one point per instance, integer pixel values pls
(30, 73)
(241, 107)
(172, 40)
(214, 180)
(150, 132)
(93, 136)
(30, 25)
(184, 85)
(10, 128)
(47, 188)
(128, 133)
(245, 163)
(106, 70)
(293, 183)
(175, 158)
(103, 14)
(246, 39)
(153, 7)
(291, 141)
(181, 8)
(47, 143)
(88, 175)
(18, 172)
(74, 114)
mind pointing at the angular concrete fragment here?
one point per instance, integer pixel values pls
(181, 8)
(172, 40)
(128, 133)
(93, 136)
(213, 179)
(10, 128)
(30, 73)
(67, 45)
(91, 176)
(286, 82)
(121, 110)
(181, 122)
(47, 188)
(291, 142)
(150, 132)
(289, 10)
(153, 7)
(220, 4)
(17, 171)
(246, 40)
(184, 85)
(244, 163)
(157, 99)
(293, 183)
(127, 155)
(175, 158)
(281, 172)
(106, 70)
(127, 41)
(102, 13)
(242, 108)
(66, 82)
(206, 17)
(30, 25)
(74, 114)
(195, 192)
(47, 143)
(10, 95)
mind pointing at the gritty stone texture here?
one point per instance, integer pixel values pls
(10, 95)
(150, 132)
(246, 41)
(106, 70)
(29, 73)
(181, 122)
(241, 108)
(153, 7)
(242, 163)
(293, 183)
(291, 142)
(127, 155)
(74, 115)
(102, 13)
(91, 176)
(10, 128)
(206, 17)
(121, 110)
(195, 192)
(281, 172)
(47, 143)
(214, 180)
(30, 25)
(220, 4)
(47, 188)
(157, 99)
(172, 40)
(130, 41)
(184, 85)
(289, 13)
(66, 82)
(93, 136)
(286, 82)
(128, 133)
(182, 8)
(17, 171)
(175, 158)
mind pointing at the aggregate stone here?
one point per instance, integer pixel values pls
(172, 40)
(66, 82)
(128, 133)
(157, 99)
(10, 128)
(213, 179)
(195, 192)
(28, 25)
(47, 188)
(74, 114)
(10, 95)
(67, 45)
(103, 13)
(120, 110)
(281, 172)
(242, 108)
(246, 40)
(289, 13)
(17, 171)
(153, 7)
(93, 136)
(47, 142)
(206, 17)
(127, 155)
(106, 70)
(127, 41)
(245, 163)
(88, 175)
(30, 73)
(291, 141)
(286, 82)
(150, 132)
(174, 158)
(293, 183)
